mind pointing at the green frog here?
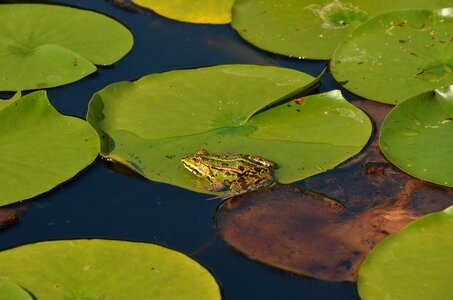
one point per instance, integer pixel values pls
(234, 172)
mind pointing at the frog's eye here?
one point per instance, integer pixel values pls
(202, 152)
(196, 159)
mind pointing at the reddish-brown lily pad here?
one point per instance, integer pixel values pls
(304, 232)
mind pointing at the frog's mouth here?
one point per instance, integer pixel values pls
(191, 169)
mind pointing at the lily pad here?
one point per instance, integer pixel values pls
(192, 11)
(417, 136)
(11, 291)
(397, 55)
(304, 232)
(150, 124)
(414, 263)
(44, 46)
(40, 148)
(307, 28)
(106, 269)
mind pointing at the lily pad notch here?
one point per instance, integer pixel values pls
(43, 46)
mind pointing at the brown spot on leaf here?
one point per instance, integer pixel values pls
(299, 100)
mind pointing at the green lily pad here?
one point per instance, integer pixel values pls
(106, 269)
(417, 136)
(414, 263)
(44, 46)
(308, 28)
(192, 11)
(11, 291)
(150, 124)
(40, 148)
(5, 102)
(397, 55)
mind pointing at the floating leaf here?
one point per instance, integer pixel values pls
(45, 46)
(304, 232)
(152, 123)
(39, 148)
(397, 55)
(414, 263)
(192, 11)
(308, 28)
(106, 269)
(417, 136)
(11, 291)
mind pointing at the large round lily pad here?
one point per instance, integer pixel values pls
(308, 28)
(44, 46)
(40, 148)
(150, 124)
(106, 269)
(415, 263)
(192, 11)
(417, 136)
(397, 55)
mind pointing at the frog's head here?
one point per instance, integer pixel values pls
(196, 163)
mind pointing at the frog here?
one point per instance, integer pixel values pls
(231, 172)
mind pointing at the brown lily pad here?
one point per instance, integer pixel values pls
(326, 232)
(304, 232)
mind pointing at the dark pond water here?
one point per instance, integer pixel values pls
(101, 203)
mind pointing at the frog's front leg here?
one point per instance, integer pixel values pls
(217, 186)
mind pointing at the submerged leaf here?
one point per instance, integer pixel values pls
(397, 55)
(308, 28)
(304, 232)
(150, 124)
(417, 136)
(414, 263)
(192, 11)
(40, 148)
(106, 269)
(45, 46)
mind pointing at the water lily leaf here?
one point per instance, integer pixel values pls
(417, 136)
(402, 53)
(39, 148)
(45, 46)
(414, 263)
(150, 124)
(11, 291)
(304, 232)
(307, 28)
(106, 269)
(192, 11)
